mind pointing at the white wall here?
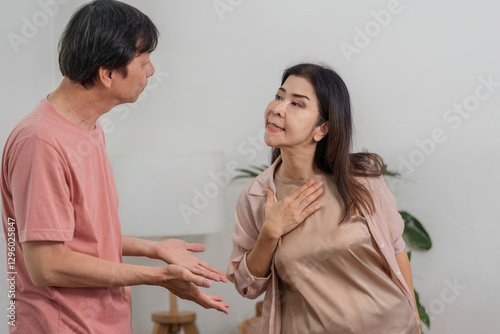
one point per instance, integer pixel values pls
(215, 76)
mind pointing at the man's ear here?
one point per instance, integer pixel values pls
(321, 131)
(105, 76)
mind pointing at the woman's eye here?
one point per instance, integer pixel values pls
(278, 97)
(297, 104)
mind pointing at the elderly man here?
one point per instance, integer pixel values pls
(59, 200)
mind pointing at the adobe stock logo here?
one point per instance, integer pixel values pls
(30, 27)
(448, 295)
(454, 117)
(221, 179)
(223, 6)
(372, 29)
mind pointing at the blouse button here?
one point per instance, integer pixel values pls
(382, 245)
(399, 273)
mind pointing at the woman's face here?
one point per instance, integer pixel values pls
(291, 118)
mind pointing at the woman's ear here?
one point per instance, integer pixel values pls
(321, 131)
(105, 77)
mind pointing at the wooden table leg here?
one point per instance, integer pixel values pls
(190, 328)
(160, 329)
(173, 329)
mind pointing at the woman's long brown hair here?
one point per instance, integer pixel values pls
(333, 151)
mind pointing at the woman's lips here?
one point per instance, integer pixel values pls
(274, 128)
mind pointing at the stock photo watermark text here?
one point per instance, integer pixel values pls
(453, 117)
(224, 6)
(373, 28)
(221, 179)
(11, 273)
(31, 25)
(448, 295)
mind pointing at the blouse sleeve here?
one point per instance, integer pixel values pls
(245, 233)
(387, 204)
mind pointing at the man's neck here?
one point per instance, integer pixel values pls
(79, 105)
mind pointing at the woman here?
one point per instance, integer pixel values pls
(319, 231)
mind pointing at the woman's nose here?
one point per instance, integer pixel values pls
(279, 109)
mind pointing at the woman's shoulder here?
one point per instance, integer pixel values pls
(262, 182)
(245, 192)
(248, 191)
(254, 194)
(252, 190)
(373, 182)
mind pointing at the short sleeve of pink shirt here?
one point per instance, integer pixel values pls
(40, 192)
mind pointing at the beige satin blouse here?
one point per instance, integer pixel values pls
(333, 278)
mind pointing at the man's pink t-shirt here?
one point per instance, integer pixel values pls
(56, 185)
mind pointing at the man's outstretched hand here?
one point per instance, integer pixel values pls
(184, 284)
(175, 251)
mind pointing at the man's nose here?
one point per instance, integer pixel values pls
(150, 70)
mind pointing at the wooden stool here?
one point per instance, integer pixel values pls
(258, 308)
(252, 325)
(171, 322)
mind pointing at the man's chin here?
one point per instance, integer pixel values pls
(138, 95)
(132, 100)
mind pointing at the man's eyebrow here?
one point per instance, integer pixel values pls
(296, 95)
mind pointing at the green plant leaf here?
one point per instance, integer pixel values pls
(237, 177)
(391, 173)
(250, 172)
(424, 317)
(415, 233)
(409, 255)
(247, 172)
(263, 167)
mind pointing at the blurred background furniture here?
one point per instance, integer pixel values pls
(171, 322)
(252, 325)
